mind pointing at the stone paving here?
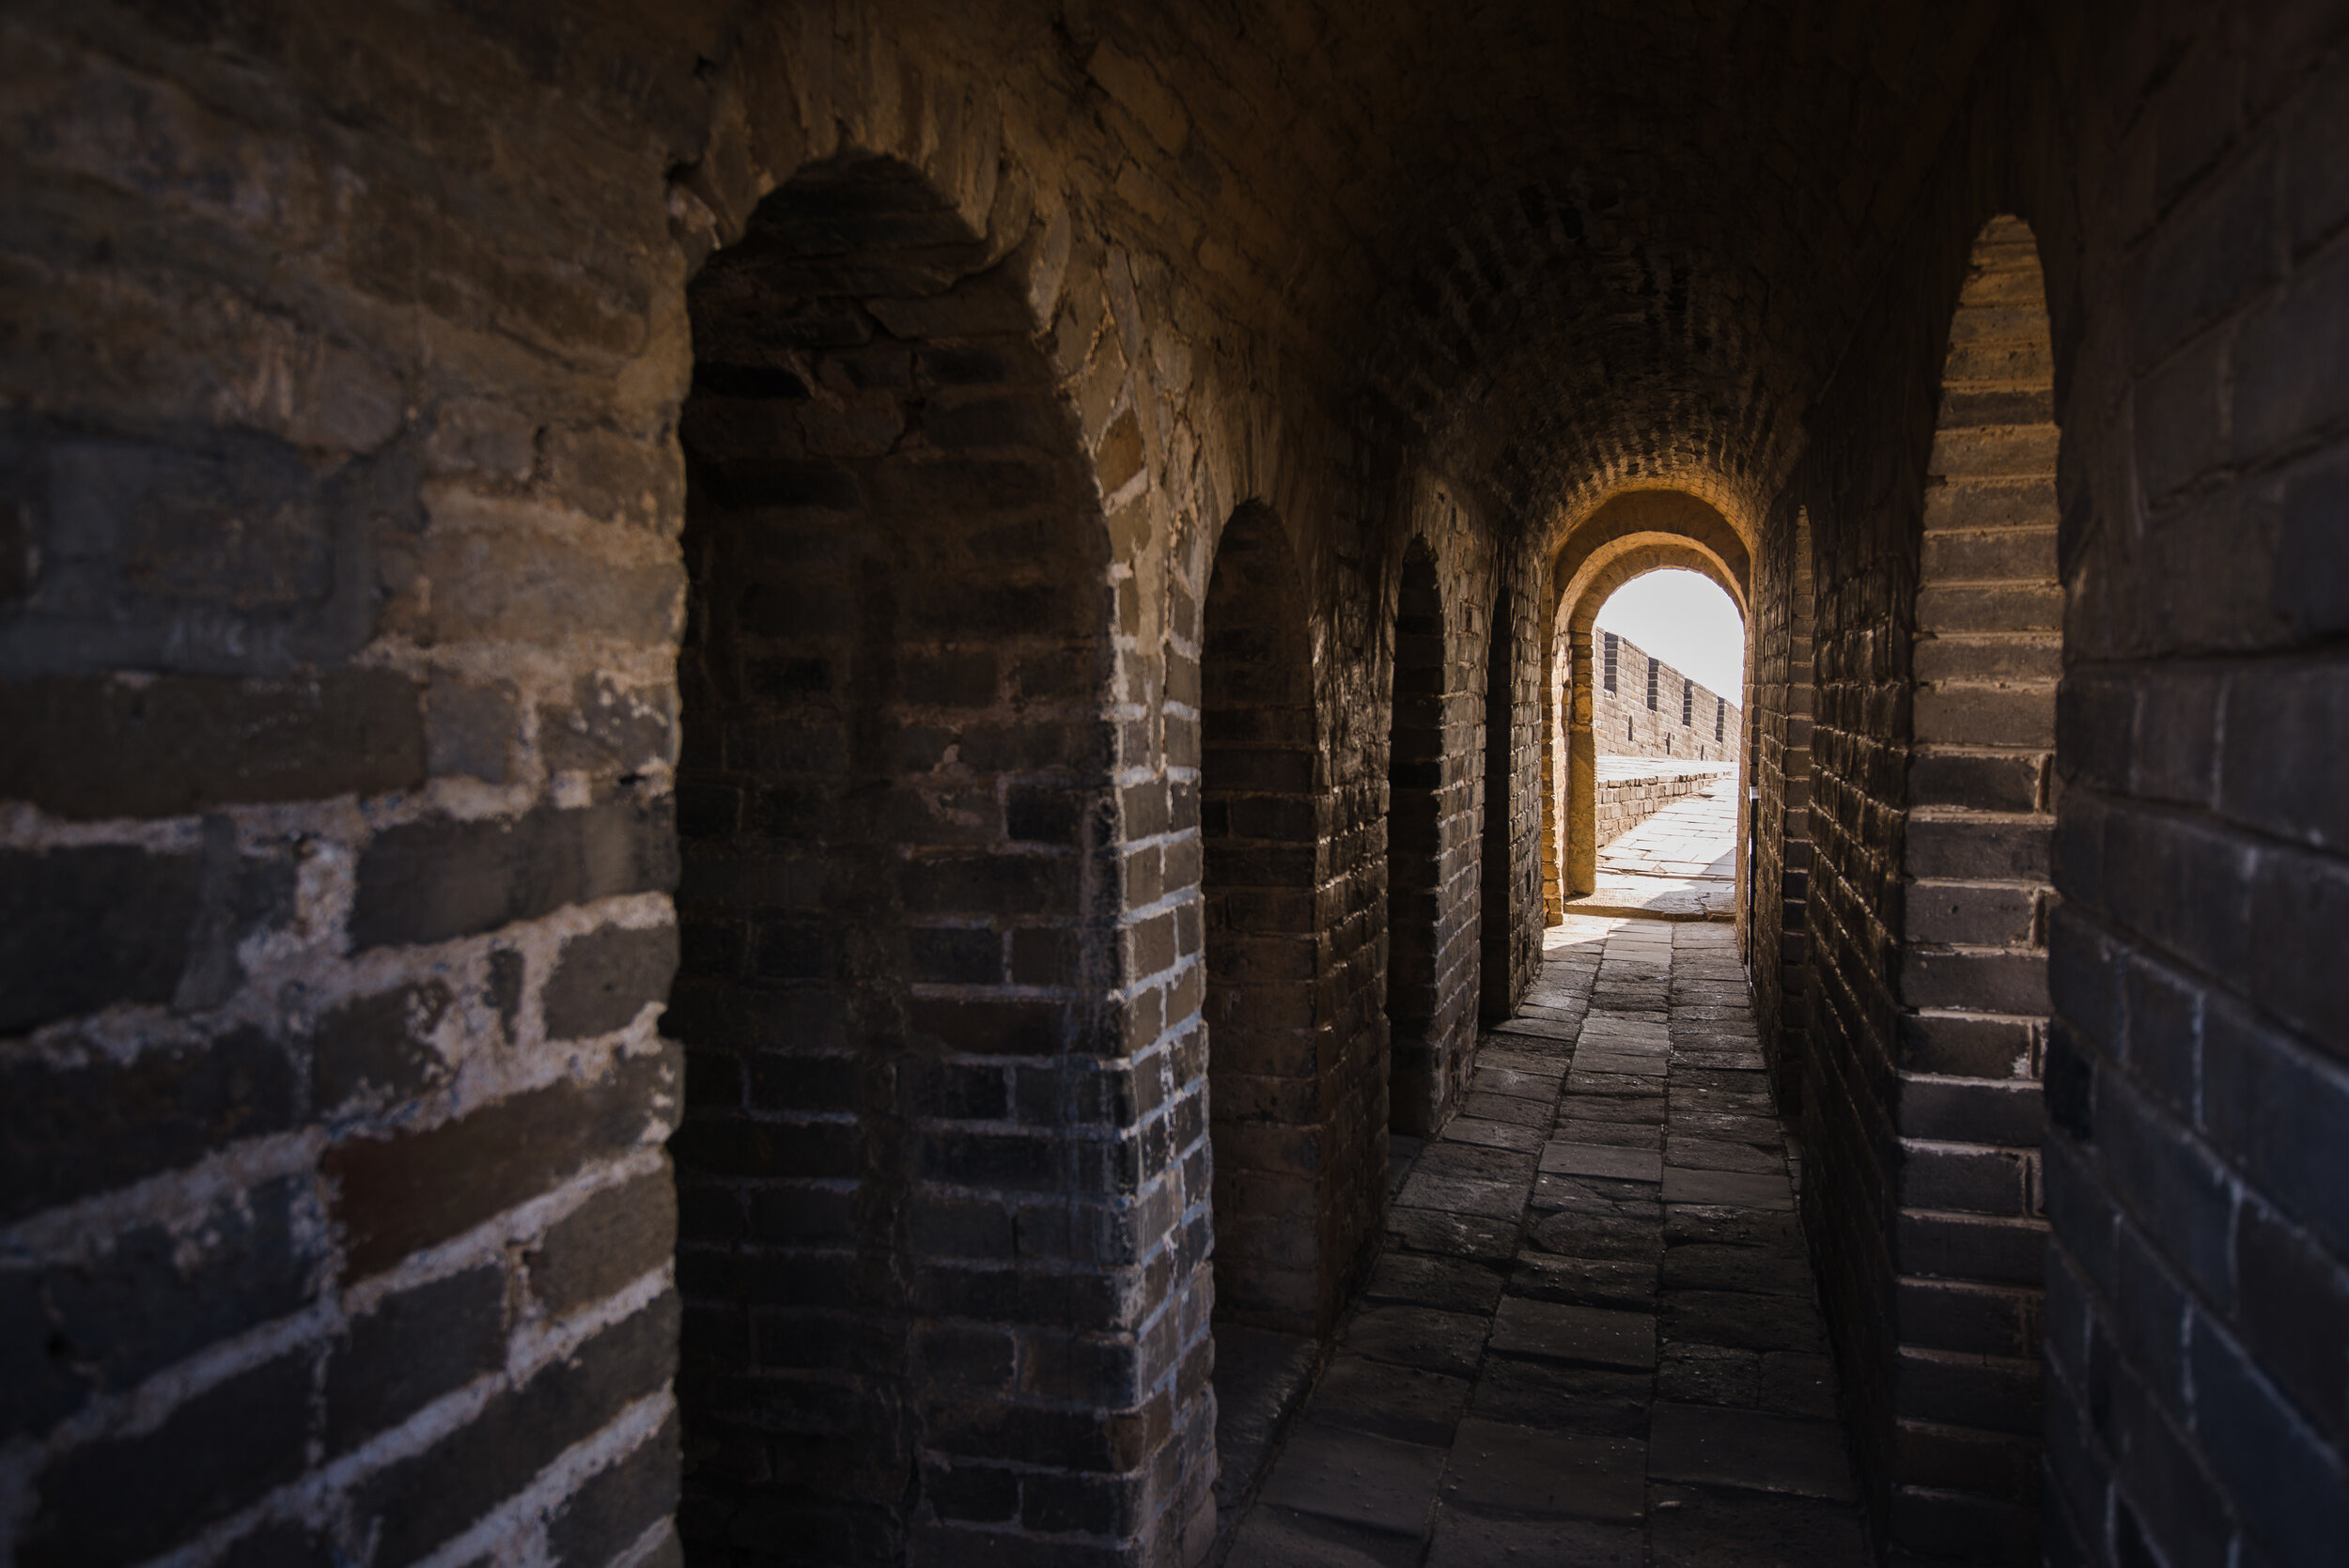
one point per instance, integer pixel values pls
(1593, 1337)
(1679, 864)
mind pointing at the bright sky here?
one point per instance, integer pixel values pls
(1684, 620)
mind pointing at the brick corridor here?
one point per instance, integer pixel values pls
(1593, 1336)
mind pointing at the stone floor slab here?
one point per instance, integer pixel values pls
(1727, 1189)
(1448, 1284)
(1406, 1403)
(1458, 1235)
(1341, 1474)
(1691, 1526)
(1712, 1154)
(1611, 1161)
(1525, 1471)
(1495, 1135)
(1419, 1337)
(1765, 1270)
(1604, 1402)
(1466, 1541)
(1562, 1331)
(1629, 1284)
(1275, 1537)
(1463, 1195)
(1750, 1448)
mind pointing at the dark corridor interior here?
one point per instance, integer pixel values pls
(791, 783)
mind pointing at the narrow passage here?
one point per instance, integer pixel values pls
(1593, 1336)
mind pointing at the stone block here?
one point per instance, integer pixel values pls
(1523, 1471)
(95, 747)
(219, 1452)
(1749, 1449)
(1357, 1477)
(441, 878)
(412, 1188)
(80, 1127)
(84, 928)
(415, 1346)
(1586, 1335)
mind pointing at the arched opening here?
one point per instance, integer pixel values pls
(1287, 1218)
(1631, 718)
(1972, 979)
(1415, 849)
(892, 756)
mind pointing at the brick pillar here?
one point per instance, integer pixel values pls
(1972, 977)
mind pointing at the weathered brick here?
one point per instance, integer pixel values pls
(615, 1507)
(94, 747)
(410, 1189)
(419, 1503)
(616, 1236)
(214, 1454)
(415, 1346)
(149, 1299)
(76, 1131)
(380, 1043)
(440, 878)
(84, 928)
(603, 979)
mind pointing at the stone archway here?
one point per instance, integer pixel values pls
(891, 762)
(1586, 575)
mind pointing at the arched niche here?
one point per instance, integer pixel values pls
(1502, 968)
(894, 763)
(1416, 858)
(1296, 1155)
(1975, 899)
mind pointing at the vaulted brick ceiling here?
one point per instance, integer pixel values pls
(1575, 247)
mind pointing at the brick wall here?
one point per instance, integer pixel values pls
(1777, 952)
(1624, 803)
(2162, 1207)
(1623, 725)
(2198, 1298)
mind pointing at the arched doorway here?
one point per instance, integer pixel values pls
(1620, 544)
